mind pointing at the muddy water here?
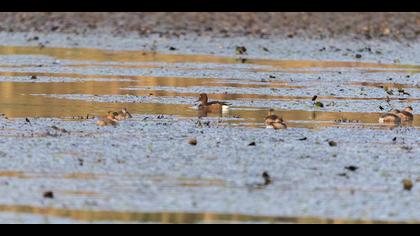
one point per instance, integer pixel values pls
(18, 100)
(174, 217)
(85, 215)
(72, 83)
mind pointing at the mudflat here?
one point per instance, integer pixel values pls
(169, 163)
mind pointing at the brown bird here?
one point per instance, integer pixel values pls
(391, 117)
(274, 121)
(123, 115)
(214, 106)
(406, 114)
(108, 120)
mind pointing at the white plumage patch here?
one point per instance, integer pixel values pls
(225, 108)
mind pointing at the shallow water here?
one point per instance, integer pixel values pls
(108, 166)
(174, 217)
(81, 68)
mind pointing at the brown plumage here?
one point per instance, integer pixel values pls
(395, 111)
(108, 120)
(213, 107)
(391, 117)
(274, 121)
(406, 114)
(123, 115)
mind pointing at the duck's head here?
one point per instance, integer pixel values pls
(408, 109)
(203, 98)
(111, 115)
(270, 112)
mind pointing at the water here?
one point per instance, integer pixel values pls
(143, 171)
(120, 79)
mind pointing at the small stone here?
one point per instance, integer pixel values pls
(48, 194)
(193, 141)
(407, 184)
(351, 168)
(332, 144)
(343, 175)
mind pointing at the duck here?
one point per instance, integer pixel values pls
(391, 117)
(406, 114)
(108, 120)
(123, 115)
(274, 121)
(214, 106)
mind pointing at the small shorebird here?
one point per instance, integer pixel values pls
(108, 120)
(214, 106)
(123, 115)
(274, 121)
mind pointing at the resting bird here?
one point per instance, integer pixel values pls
(108, 120)
(274, 121)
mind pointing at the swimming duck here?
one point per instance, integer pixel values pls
(108, 120)
(214, 106)
(123, 115)
(274, 121)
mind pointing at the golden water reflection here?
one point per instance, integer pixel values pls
(16, 99)
(83, 54)
(174, 217)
